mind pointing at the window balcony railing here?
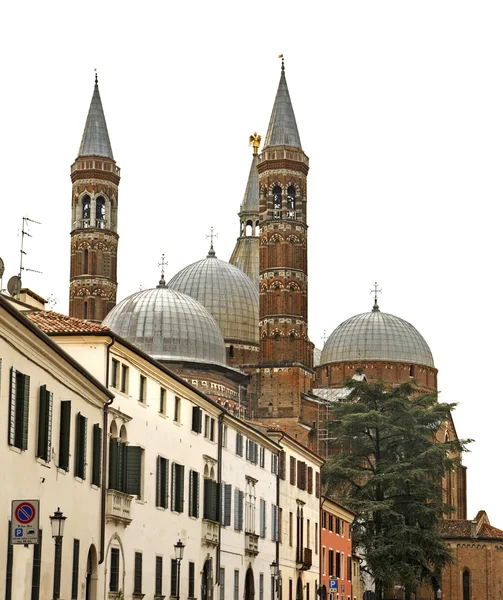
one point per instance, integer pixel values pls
(210, 533)
(251, 544)
(118, 507)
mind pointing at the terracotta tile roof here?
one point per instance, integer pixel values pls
(463, 529)
(53, 322)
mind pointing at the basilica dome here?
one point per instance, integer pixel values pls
(168, 325)
(226, 292)
(376, 336)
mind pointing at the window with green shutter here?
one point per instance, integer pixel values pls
(226, 504)
(197, 415)
(238, 510)
(210, 509)
(75, 570)
(174, 578)
(80, 446)
(44, 424)
(97, 455)
(138, 572)
(133, 470)
(162, 478)
(64, 435)
(158, 575)
(192, 579)
(125, 467)
(114, 569)
(19, 404)
(194, 494)
(177, 485)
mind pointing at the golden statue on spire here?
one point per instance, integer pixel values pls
(255, 139)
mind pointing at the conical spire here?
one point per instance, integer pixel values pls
(282, 129)
(95, 141)
(250, 199)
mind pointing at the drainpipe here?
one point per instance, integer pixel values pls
(219, 481)
(104, 459)
(278, 480)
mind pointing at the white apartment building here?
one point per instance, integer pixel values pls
(52, 411)
(249, 531)
(299, 518)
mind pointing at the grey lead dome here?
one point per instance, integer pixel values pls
(376, 336)
(168, 325)
(226, 292)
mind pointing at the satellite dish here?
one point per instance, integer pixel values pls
(2, 268)
(14, 285)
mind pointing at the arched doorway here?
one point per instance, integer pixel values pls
(205, 581)
(249, 585)
(91, 574)
(298, 595)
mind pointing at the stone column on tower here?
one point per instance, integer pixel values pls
(286, 354)
(95, 180)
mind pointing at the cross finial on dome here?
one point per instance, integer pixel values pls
(282, 62)
(212, 235)
(375, 291)
(162, 264)
(324, 336)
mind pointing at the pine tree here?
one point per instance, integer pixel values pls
(388, 469)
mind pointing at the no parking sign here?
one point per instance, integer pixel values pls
(24, 521)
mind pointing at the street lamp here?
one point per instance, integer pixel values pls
(179, 556)
(274, 575)
(439, 593)
(58, 527)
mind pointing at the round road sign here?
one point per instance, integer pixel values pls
(25, 513)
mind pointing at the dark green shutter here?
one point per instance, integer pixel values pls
(180, 487)
(97, 457)
(36, 568)
(133, 470)
(196, 419)
(158, 481)
(227, 504)
(23, 402)
(80, 446)
(174, 567)
(12, 407)
(64, 435)
(191, 579)
(113, 462)
(207, 499)
(42, 423)
(75, 570)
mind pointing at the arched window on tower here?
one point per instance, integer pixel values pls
(85, 310)
(86, 261)
(277, 201)
(249, 228)
(466, 584)
(100, 212)
(290, 202)
(86, 211)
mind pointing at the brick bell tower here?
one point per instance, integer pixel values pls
(286, 354)
(95, 181)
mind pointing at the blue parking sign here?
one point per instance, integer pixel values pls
(332, 584)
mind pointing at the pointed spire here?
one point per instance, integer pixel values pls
(251, 197)
(282, 129)
(95, 140)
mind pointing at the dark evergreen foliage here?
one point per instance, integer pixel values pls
(388, 469)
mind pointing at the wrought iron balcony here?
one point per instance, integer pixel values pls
(118, 507)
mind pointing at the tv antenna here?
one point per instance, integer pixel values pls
(24, 233)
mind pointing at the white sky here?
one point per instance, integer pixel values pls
(399, 107)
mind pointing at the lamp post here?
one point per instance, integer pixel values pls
(439, 593)
(274, 575)
(58, 527)
(179, 556)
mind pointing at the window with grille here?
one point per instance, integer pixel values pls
(114, 570)
(158, 575)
